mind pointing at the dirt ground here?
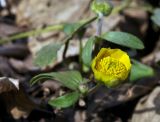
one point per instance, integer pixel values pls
(137, 101)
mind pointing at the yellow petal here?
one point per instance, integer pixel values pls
(122, 57)
(111, 66)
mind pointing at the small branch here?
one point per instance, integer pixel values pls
(31, 33)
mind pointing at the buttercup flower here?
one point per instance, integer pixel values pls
(111, 66)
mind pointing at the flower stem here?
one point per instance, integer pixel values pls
(92, 90)
(99, 24)
(80, 54)
(99, 31)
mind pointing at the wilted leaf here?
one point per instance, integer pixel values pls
(87, 51)
(140, 70)
(65, 101)
(124, 39)
(70, 79)
(46, 55)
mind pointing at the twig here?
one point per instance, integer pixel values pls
(31, 33)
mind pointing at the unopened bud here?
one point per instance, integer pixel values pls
(101, 7)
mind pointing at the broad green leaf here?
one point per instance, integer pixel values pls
(75, 28)
(47, 55)
(156, 16)
(43, 76)
(124, 39)
(87, 51)
(70, 79)
(65, 101)
(139, 71)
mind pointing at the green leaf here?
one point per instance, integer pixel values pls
(69, 28)
(87, 51)
(70, 79)
(139, 71)
(156, 16)
(65, 101)
(124, 39)
(46, 55)
(43, 76)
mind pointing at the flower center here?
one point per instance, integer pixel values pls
(111, 66)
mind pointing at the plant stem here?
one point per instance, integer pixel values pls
(31, 33)
(92, 90)
(66, 41)
(98, 32)
(80, 54)
(99, 24)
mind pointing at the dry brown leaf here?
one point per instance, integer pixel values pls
(18, 102)
(148, 108)
(8, 84)
(16, 99)
(48, 11)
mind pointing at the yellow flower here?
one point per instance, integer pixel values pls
(111, 66)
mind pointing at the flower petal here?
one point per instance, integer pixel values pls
(111, 66)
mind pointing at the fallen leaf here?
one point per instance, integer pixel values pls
(17, 102)
(148, 108)
(8, 84)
